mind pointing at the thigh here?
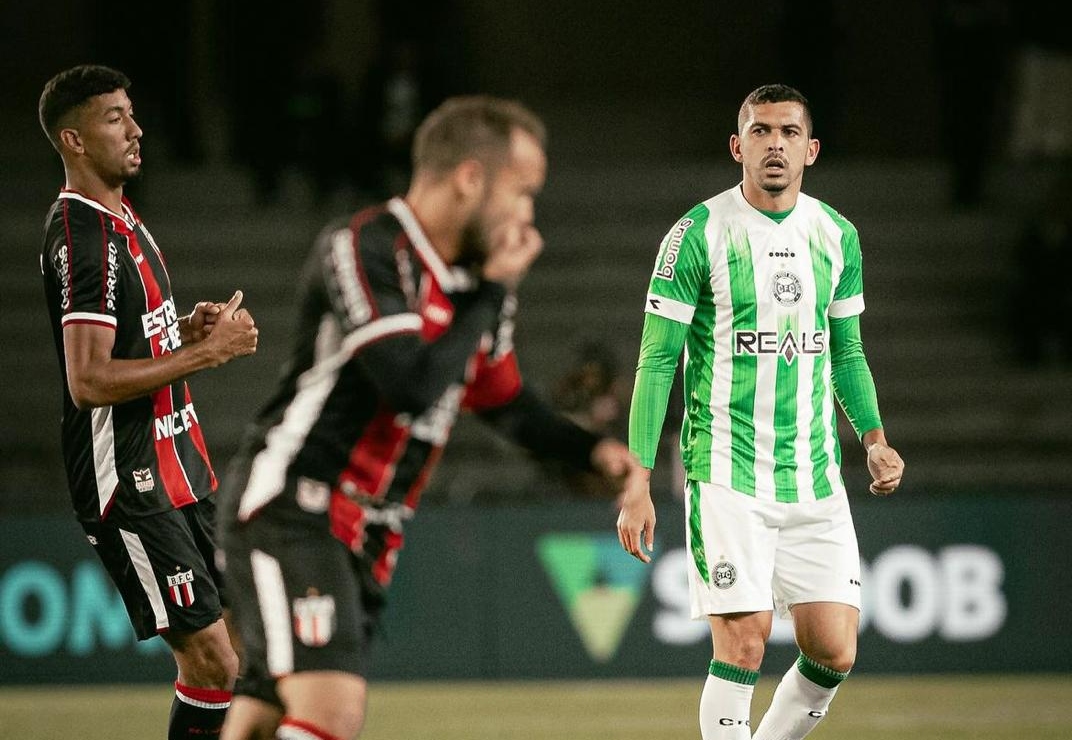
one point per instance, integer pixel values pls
(297, 602)
(818, 558)
(166, 578)
(732, 545)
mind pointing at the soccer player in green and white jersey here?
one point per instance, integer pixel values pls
(761, 286)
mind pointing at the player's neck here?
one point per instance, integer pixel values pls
(96, 189)
(764, 200)
(435, 217)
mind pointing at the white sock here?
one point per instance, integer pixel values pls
(800, 702)
(726, 702)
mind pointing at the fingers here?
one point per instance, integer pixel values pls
(631, 535)
(232, 305)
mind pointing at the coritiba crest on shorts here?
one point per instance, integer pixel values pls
(724, 574)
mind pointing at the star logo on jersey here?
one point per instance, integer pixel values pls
(599, 588)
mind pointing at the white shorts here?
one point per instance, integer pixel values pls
(749, 555)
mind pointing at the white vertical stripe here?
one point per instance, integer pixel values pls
(767, 319)
(100, 420)
(722, 355)
(450, 279)
(275, 612)
(805, 481)
(140, 560)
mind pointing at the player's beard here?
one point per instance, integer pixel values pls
(474, 243)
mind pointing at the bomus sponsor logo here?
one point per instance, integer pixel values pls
(666, 269)
(169, 425)
(788, 346)
(163, 322)
(112, 276)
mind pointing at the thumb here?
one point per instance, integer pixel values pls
(232, 305)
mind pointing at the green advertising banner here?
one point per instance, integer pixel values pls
(951, 584)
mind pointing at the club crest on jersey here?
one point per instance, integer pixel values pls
(181, 588)
(143, 480)
(724, 575)
(666, 270)
(314, 619)
(786, 288)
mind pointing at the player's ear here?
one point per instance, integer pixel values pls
(735, 148)
(469, 178)
(813, 152)
(70, 139)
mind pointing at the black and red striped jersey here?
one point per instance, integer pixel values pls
(391, 343)
(142, 456)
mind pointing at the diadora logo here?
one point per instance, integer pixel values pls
(788, 346)
(163, 322)
(599, 588)
(666, 269)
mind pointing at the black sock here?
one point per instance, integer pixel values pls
(197, 714)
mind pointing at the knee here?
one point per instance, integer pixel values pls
(206, 660)
(840, 658)
(745, 651)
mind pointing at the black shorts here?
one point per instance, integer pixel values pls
(164, 567)
(300, 600)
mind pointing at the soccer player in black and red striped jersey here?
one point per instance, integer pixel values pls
(406, 318)
(140, 478)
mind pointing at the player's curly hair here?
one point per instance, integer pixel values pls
(775, 93)
(472, 127)
(70, 89)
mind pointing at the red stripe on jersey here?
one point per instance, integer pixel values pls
(199, 439)
(172, 474)
(413, 495)
(374, 455)
(495, 383)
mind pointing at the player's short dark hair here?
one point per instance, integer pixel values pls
(775, 93)
(472, 127)
(72, 88)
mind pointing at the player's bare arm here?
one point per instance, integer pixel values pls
(95, 378)
(636, 519)
(883, 462)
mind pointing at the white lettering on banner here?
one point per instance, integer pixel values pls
(909, 594)
(181, 421)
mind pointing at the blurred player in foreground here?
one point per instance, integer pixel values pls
(762, 287)
(406, 318)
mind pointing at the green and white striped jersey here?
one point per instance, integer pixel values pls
(757, 296)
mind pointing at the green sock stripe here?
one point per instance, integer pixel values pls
(734, 673)
(819, 674)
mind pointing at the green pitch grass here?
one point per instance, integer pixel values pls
(875, 708)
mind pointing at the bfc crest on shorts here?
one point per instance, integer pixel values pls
(314, 619)
(181, 588)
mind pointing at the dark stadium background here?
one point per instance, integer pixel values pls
(260, 125)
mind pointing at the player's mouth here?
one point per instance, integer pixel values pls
(134, 156)
(774, 163)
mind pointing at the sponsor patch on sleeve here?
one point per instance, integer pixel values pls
(668, 308)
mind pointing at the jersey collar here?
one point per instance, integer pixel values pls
(450, 279)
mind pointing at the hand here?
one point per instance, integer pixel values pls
(233, 333)
(636, 518)
(200, 322)
(514, 248)
(886, 468)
